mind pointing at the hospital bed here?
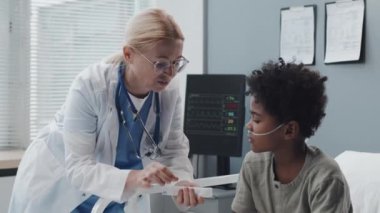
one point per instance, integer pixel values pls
(362, 172)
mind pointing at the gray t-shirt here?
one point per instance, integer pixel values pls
(319, 187)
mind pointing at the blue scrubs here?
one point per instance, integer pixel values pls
(127, 151)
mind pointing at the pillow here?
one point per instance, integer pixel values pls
(362, 172)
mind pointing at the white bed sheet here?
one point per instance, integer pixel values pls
(362, 172)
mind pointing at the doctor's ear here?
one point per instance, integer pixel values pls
(128, 54)
(291, 130)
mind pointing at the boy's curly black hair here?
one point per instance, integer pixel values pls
(290, 92)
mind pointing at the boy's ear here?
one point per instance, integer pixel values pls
(291, 130)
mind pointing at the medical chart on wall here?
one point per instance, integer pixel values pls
(297, 36)
(344, 31)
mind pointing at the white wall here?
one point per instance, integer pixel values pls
(6, 185)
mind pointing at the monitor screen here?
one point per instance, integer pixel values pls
(214, 114)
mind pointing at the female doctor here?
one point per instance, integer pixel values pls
(118, 131)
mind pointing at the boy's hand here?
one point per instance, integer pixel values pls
(187, 196)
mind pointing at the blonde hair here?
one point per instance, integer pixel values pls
(146, 29)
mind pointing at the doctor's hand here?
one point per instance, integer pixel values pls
(153, 173)
(187, 196)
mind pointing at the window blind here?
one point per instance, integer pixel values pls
(14, 43)
(4, 73)
(64, 37)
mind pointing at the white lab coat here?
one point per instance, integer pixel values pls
(73, 157)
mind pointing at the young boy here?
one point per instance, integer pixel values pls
(282, 173)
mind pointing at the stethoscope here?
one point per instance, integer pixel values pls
(153, 151)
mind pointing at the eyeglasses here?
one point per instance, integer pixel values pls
(163, 65)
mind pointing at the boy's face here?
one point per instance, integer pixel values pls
(262, 122)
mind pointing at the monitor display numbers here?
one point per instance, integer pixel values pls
(212, 114)
(231, 106)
